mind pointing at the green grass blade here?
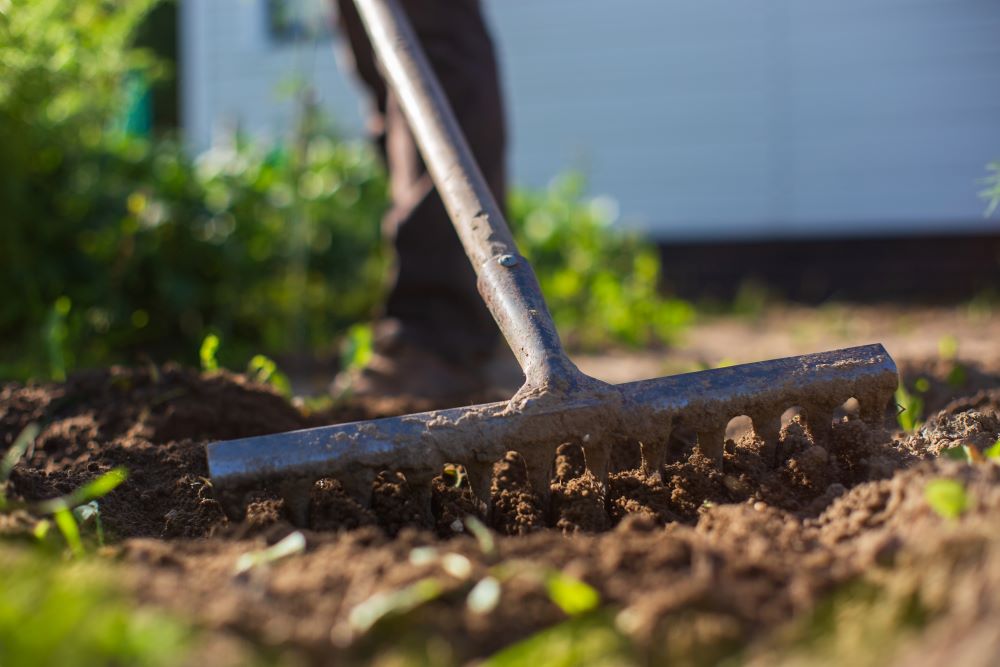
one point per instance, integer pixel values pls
(947, 497)
(24, 440)
(66, 523)
(571, 595)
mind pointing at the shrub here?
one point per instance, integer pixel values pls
(117, 246)
(602, 285)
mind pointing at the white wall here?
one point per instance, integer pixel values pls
(704, 118)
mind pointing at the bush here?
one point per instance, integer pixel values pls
(601, 284)
(117, 246)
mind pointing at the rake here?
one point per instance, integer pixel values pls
(557, 403)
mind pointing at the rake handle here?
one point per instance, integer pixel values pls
(506, 280)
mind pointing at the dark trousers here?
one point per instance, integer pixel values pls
(433, 301)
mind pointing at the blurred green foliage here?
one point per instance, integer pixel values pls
(601, 284)
(992, 191)
(117, 247)
(73, 615)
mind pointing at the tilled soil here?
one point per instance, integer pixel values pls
(701, 564)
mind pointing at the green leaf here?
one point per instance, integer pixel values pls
(958, 453)
(24, 440)
(207, 352)
(993, 451)
(357, 347)
(570, 594)
(263, 369)
(66, 523)
(591, 640)
(100, 487)
(381, 605)
(483, 535)
(911, 409)
(291, 544)
(947, 497)
(92, 490)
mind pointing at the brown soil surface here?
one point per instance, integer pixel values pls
(701, 564)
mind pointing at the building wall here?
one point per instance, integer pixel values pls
(706, 119)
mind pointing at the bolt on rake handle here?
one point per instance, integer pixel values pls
(506, 280)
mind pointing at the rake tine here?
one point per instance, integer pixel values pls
(597, 454)
(711, 442)
(358, 486)
(296, 493)
(481, 479)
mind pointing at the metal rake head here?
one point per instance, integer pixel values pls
(594, 416)
(557, 403)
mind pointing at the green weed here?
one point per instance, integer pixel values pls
(590, 640)
(357, 346)
(992, 191)
(601, 284)
(66, 511)
(291, 544)
(947, 497)
(208, 352)
(59, 614)
(264, 370)
(911, 408)
(570, 594)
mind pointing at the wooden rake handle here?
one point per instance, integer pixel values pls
(506, 280)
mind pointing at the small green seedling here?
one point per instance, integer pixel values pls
(290, 545)
(961, 453)
(992, 191)
(483, 535)
(393, 603)
(454, 475)
(22, 444)
(992, 453)
(911, 409)
(264, 370)
(570, 594)
(947, 497)
(91, 512)
(948, 347)
(56, 333)
(357, 346)
(62, 508)
(207, 353)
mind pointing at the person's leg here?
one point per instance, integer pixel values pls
(433, 303)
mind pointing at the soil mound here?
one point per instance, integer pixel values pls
(691, 566)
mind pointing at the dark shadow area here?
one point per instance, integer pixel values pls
(920, 269)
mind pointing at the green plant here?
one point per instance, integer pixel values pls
(208, 352)
(570, 594)
(591, 640)
(66, 511)
(54, 613)
(911, 408)
(602, 284)
(125, 247)
(992, 191)
(947, 497)
(275, 249)
(264, 370)
(992, 453)
(291, 544)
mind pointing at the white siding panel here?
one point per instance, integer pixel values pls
(704, 118)
(763, 117)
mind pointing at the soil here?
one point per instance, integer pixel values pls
(699, 564)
